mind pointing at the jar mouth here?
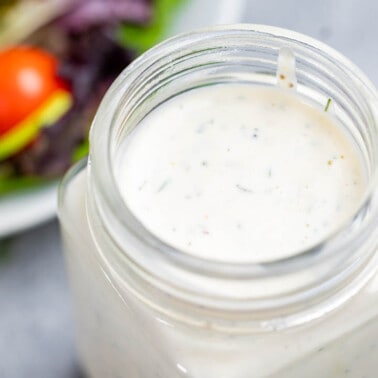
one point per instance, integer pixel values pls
(333, 244)
(311, 282)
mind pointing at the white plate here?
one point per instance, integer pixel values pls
(29, 208)
(22, 211)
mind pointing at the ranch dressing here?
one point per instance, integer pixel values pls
(233, 173)
(240, 173)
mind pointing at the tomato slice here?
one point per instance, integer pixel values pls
(28, 76)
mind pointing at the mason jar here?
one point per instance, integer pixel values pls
(146, 309)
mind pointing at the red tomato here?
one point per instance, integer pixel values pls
(27, 78)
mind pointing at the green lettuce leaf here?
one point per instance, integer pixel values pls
(14, 184)
(141, 38)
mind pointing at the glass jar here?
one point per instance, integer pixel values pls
(145, 309)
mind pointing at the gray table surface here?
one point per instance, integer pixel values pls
(36, 325)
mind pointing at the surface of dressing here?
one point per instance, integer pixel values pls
(240, 173)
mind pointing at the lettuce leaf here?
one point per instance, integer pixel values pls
(15, 184)
(140, 38)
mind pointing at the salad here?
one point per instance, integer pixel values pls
(57, 59)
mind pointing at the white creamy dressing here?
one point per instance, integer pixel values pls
(240, 173)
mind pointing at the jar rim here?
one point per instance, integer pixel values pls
(101, 149)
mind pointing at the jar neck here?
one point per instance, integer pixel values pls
(260, 296)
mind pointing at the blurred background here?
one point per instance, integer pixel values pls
(40, 136)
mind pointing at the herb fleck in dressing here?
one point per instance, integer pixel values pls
(258, 174)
